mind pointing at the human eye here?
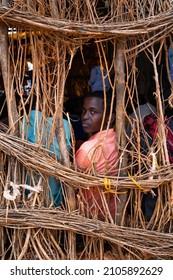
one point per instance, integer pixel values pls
(93, 112)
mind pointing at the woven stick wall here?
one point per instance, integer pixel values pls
(50, 35)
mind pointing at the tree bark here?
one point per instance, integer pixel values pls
(5, 68)
(10, 98)
(120, 122)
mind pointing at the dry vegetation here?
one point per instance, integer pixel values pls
(49, 34)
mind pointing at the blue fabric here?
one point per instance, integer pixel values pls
(38, 131)
(170, 59)
(35, 131)
(96, 79)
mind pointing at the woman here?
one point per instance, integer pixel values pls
(98, 155)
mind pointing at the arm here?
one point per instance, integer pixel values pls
(82, 159)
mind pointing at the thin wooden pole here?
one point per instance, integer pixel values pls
(5, 68)
(60, 134)
(120, 122)
(10, 97)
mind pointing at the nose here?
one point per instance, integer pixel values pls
(85, 115)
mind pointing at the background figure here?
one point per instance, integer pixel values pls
(151, 127)
(38, 131)
(73, 106)
(146, 106)
(3, 104)
(98, 155)
(170, 60)
(22, 94)
(96, 79)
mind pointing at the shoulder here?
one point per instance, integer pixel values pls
(82, 157)
(94, 69)
(66, 124)
(35, 114)
(87, 146)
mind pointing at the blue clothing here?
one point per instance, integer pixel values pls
(170, 59)
(36, 132)
(96, 79)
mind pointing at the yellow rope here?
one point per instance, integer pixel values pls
(136, 183)
(107, 185)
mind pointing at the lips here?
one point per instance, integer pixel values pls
(85, 125)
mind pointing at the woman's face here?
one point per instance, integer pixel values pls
(92, 114)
